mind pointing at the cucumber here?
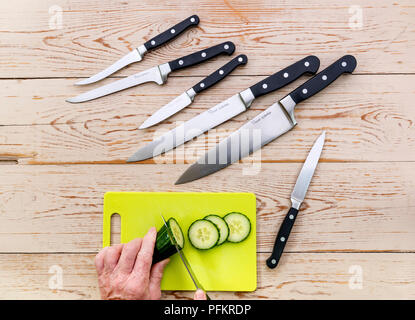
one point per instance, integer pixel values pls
(221, 225)
(203, 234)
(239, 226)
(165, 247)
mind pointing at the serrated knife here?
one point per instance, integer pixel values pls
(266, 126)
(187, 97)
(225, 110)
(297, 197)
(185, 262)
(137, 54)
(156, 74)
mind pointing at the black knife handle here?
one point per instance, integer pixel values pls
(202, 55)
(321, 80)
(171, 33)
(220, 74)
(278, 80)
(282, 238)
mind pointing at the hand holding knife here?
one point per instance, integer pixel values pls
(137, 54)
(158, 73)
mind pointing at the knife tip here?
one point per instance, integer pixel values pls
(83, 82)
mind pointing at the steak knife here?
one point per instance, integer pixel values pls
(186, 98)
(266, 126)
(156, 74)
(297, 197)
(225, 110)
(137, 54)
(185, 262)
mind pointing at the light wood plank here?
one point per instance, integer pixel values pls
(367, 118)
(298, 276)
(349, 206)
(96, 33)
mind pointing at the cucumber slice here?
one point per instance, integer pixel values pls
(222, 226)
(165, 247)
(239, 226)
(203, 234)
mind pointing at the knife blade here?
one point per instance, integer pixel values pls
(156, 74)
(266, 126)
(184, 260)
(297, 197)
(187, 97)
(137, 54)
(225, 110)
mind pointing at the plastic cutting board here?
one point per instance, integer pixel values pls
(229, 267)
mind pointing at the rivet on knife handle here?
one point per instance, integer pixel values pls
(202, 55)
(280, 79)
(346, 64)
(220, 74)
(282, 238)
(171, 33)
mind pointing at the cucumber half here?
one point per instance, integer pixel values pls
(203, 234)
(222, 226)
(165, 245)
(239, 226)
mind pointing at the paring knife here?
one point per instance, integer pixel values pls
(157, 74)
(186, 98)
(266, 126)
(192, 275)
(297, 197)
(137, 54)
(225, 110)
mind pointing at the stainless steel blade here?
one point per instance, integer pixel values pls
(192, 128)
(168, 110)
(307, 172)
(192, 275)
(132, 56)
(265, 127)
(150, 75)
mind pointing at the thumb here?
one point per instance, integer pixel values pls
(156, 275)
(200, 295)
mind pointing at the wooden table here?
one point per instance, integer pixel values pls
(355, 236)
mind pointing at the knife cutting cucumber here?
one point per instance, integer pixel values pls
(165, 246)
(221, 225)
(239, 226)
(203, 234)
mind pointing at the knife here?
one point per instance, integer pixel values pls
(225, 110)
(186, 98)
(156, 74)
(266, 126)
(186, 264)
(137, 54)
(297, 197)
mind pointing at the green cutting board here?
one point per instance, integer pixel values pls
(229, 267)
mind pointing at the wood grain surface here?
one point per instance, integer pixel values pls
(58, 159)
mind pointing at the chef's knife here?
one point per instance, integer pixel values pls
(137, 54)
(186, 264)
(297, 197)
(156, 74)
(266, 126)
(225, 110)
(186, 98)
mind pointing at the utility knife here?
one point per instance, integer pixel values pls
(297, 197)
(187, 97)
(184, 260)
(137, 54)
(158, 73)
(266, 126)
(225, 110)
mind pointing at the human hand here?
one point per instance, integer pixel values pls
(125, 271)
(200, 295)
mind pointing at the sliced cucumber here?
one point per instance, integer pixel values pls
(239, 226)
(165, 246)
(203, 234)
(222, 226)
